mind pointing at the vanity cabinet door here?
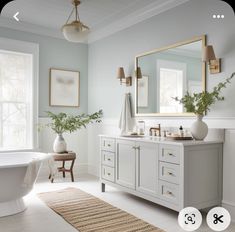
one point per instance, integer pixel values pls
(147, 168)
(125, 161)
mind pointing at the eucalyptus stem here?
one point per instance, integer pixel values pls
(199, 103)
(62, 122)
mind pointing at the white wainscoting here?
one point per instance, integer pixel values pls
(110, 126)
(76, 142)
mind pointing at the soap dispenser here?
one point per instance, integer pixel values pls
(141, 127)
(181, 131)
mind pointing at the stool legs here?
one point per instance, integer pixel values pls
(63, 169)
(71, 170)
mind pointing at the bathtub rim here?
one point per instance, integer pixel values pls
(41, 158)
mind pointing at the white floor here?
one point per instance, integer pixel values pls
(39, 218)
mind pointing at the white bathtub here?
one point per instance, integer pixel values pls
(13, 167)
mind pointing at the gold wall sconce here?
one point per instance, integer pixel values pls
(123, 79)
(214, 64)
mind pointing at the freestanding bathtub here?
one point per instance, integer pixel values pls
(13, 168)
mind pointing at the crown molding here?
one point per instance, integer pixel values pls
(28, 27)
(134, 18)
(128, 21)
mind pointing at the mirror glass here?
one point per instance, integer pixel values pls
(167, 73)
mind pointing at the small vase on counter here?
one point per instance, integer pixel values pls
(59, 145)
(199, 129)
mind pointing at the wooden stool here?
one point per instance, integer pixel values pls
(70, 156)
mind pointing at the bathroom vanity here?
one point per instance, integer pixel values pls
(169, 173)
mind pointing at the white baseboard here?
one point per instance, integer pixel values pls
(93, 170)
(231, 208)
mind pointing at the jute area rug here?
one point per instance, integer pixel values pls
(90, 214)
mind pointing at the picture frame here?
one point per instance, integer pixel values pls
(143, 91)
(64, 88)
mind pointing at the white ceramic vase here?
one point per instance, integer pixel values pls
(59, 145)
(199, 129)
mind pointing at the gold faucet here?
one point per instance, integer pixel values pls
(155, 131)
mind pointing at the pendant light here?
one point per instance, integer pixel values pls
(75, 31)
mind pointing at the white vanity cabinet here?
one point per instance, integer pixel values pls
(172, 174)
(125, 163)
(146, 171)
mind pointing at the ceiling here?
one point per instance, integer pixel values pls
(97, 14)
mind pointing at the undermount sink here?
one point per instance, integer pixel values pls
(145, 137)
(133, 136)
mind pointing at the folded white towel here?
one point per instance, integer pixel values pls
(126, 122)
(52, 167)
(32, 172)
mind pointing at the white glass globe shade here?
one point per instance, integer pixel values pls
(75, 32)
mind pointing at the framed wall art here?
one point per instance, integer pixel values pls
(64, 88)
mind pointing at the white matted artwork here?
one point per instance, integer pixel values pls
(143, 91)
(64, 88)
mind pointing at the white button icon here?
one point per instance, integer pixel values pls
(15, 16)
(218, 219)
(190, 219)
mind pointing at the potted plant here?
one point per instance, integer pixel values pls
(62, 122)
(199, 104)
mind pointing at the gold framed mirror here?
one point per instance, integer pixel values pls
(168, 72)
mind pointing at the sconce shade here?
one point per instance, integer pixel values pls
(208, 54)
(138, 73)
(120, 73)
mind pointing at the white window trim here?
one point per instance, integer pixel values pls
(172, 65)
(31, 48)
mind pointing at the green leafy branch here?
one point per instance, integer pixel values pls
(199, 103)
(67, 123)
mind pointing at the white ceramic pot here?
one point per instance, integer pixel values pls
(199, 129)
(59, 145)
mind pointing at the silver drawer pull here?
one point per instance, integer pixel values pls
(170, 173)
(169, 193)
(170, 154)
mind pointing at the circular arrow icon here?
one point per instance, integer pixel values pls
(4, 3)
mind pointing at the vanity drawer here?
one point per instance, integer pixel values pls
(169, 153)
(169, 192)
(107, 158)
(108, 173)
(108, 144)
(169, 172)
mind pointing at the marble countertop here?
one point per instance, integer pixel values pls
(163, 140)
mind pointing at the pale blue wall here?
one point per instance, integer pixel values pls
(56, 53)
(186, 21)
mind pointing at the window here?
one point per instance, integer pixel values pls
(18, 92)
(171, 83)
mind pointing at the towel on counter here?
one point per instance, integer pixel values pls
(52, 167)
(32, 172)
(126, 122)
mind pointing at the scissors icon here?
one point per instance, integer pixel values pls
(217, 218)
